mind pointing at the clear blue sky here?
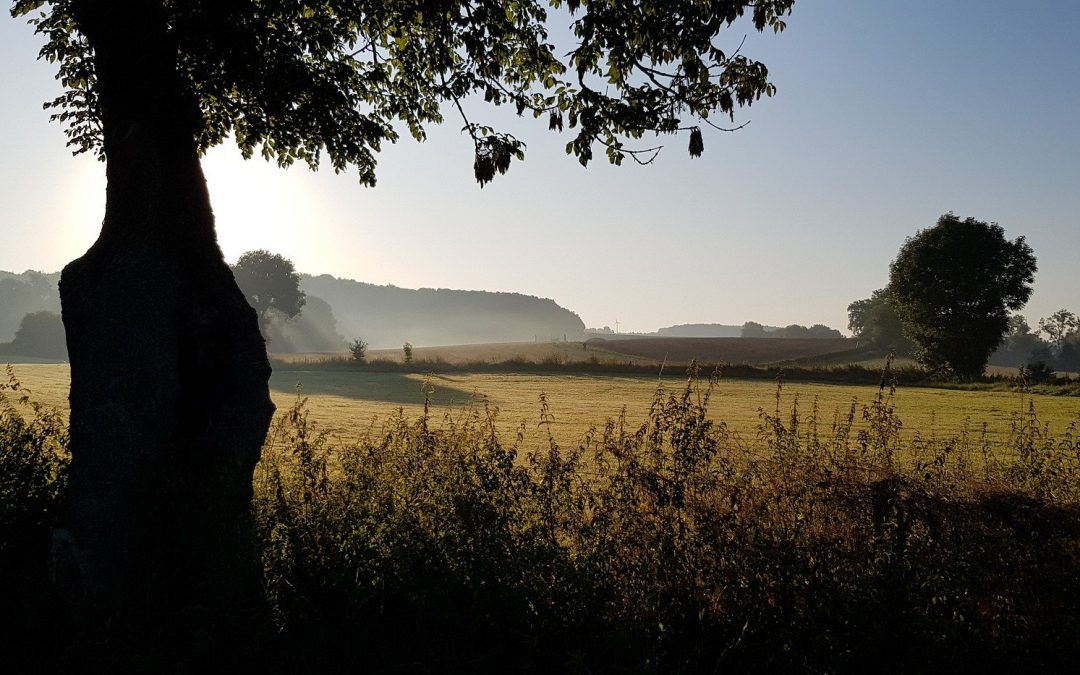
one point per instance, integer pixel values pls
(888, 114)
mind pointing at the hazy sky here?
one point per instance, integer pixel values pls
(888, 114)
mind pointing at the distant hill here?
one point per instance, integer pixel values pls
(387, 316)
(339, 310)
(701, 330)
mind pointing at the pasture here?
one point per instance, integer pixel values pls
(349, 401)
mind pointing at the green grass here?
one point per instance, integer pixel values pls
(348, 401)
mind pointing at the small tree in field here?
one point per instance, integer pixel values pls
(269, 281)
(358, 348)
(406, 352)
(953, 285)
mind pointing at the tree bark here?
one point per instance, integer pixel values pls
(169, 397)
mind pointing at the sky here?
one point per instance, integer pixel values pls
(888, 114)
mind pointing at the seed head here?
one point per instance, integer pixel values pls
(483, 169)
(502, 161)
(696, 146)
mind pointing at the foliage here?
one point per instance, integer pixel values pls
(674, 546)
(269, 281)
(752, 329)
(1059, 326)
(875, 321)
(23, 294)
(1021, 346)
(953, 286)
(406, 353)
(33, 465)
(1038, 372)
(39, 334)
(799, 332)
(334, 81)
(358, 349)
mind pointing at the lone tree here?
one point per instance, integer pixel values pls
(953, 285)
(269, 281)
(169, 398)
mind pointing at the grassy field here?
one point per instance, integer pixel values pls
(349, 401)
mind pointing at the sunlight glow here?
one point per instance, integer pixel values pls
(256, 204)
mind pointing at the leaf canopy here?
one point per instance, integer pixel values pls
(332, 81)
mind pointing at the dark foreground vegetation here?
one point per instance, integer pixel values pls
(674, 546)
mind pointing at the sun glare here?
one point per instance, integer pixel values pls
(256, 204)
(82, 209)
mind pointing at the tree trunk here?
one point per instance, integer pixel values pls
(169, 397)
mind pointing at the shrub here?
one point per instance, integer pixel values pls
(1038, 372)
(358, 348)
(33, 463)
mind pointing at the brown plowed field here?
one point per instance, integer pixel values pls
(716, 350)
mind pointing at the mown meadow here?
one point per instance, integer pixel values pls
(680, 536)
(346, 402)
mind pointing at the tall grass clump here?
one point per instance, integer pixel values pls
(673, 545)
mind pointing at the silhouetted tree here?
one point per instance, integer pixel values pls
(39, 334)
(169, 398)
(875, 321)
(1020, 346)
(953, 285)
(358, 349)
(406, 352)
(795, 331)
(820, 331)
(1059, 326)
(752, 329)
(269, 281)
(22, 294)
(1068, 355)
